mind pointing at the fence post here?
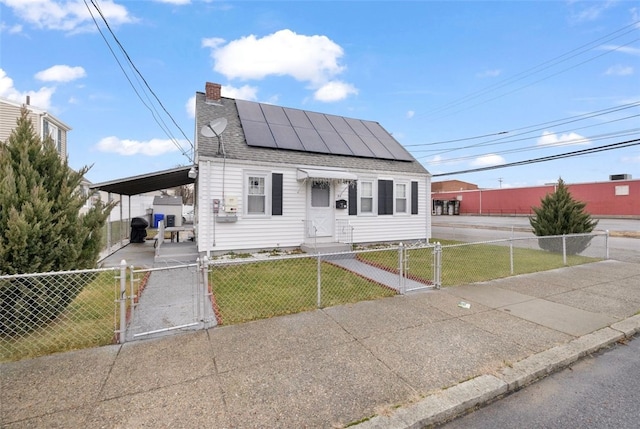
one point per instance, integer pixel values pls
(123, 302)
(606, 244)
(205, 286)
(437, 253)
(564, 249)
(319, 283)
(511, 250)
(401, 256)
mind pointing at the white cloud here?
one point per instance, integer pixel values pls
(334, 91)
(153, 147)
(71, 16)
(61, 73)
(549, 138)
(40, 98)
(311, 59)
(619, 70)
(592, 12)
(190, 107)
(488, 160)
(14, 29)
(490, 73)
(634, 159)
(245, 92)
(410, 114)
(175, 2)
(623, 49)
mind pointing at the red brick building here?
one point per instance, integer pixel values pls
(616, 198)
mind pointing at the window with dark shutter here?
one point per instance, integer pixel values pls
(353, 198)
(414, 198)
(385, 197)
(276, 194)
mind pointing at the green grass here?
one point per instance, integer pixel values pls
(259, 290)
(89, 321)
(86, 322)
(462, 264)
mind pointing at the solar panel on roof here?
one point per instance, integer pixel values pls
(259, 134)
(298, 118)
(334, 143)
(358, 127)
(249, 111)
(277, 127)
(275, 115)
(311, 140)
(286, 137)
(356, 145)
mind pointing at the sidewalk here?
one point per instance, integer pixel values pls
(397, 362)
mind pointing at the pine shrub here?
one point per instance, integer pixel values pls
(41, 228)
(560, 214)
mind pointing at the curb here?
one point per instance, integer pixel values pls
(456, 400)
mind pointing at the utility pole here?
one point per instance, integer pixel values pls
(500, 180)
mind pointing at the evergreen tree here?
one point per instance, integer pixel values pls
(560, 214)
(41, 228)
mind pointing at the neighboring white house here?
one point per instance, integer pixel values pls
(43, 122)
(275, 177)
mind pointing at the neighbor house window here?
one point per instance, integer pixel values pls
(51, 130)
(401, 198)
(366, 197)
(256, 196)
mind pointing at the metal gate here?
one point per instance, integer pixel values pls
(166, 300)
(420, 266)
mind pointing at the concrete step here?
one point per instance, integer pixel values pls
(320, 248)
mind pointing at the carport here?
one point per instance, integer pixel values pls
(137, 185)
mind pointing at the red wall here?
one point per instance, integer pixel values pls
(600, 197)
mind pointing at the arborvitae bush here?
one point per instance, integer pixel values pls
(560, 214)
(41, 228)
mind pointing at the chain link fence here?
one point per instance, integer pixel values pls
(59, 311)
(52, 312)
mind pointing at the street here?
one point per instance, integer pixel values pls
(486, 228)
(599, 391)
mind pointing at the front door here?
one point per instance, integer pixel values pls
(319, 209)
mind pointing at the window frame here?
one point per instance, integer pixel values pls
(407, 200)
(373, 197)
(266, 176)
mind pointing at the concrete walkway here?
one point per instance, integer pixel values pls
(171, 303)
(399, 362)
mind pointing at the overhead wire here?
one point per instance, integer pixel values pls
(540, 68)
(155, 114)
(582, 152)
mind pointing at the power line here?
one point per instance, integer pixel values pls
(536, 127)
(612, 146)
(539, 68)
(158, 119)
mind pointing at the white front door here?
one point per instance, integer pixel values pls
(320, 212)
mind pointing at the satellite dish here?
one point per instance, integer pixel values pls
(214, 128)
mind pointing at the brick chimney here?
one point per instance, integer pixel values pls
(212, 91)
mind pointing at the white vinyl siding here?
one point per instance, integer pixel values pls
(250, 232)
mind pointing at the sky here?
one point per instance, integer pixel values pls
(475, 90)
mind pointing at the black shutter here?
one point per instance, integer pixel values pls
(414, 198)
(385, 197)
(276, 194)
(353, 198)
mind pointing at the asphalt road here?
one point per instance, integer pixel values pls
(600, 391)
(486, 228)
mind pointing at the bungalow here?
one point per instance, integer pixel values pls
(275, 177)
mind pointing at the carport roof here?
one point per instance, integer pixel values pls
(147, 182)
